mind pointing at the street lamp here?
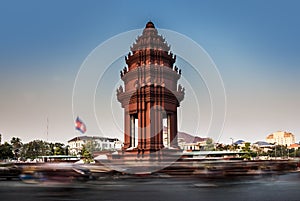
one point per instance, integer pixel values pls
(232, 148)
(231, 141)
(275, 150)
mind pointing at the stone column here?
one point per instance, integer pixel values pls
(132, 131)
(127, 131)
(173, 130)
(158, 128)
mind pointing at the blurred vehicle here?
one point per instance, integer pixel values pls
(9, 171)
(55, 173)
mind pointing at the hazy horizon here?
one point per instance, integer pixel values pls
(254, 45)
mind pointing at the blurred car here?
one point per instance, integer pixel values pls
(57, 173)
(9, 171)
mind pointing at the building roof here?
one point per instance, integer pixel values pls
(263, 144)
(288, 134)
(150, 39)
(294, 146)
(188, 138)
(150, 25)
(92, 138)
(239, 142)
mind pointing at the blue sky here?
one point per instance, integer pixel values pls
(255, 45)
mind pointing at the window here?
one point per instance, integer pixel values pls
(134, 130)
(166, 130)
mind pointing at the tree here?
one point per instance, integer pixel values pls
(51, 149)
(234, 147)
(279, 151)
(59, 149)
(86, 155)
(294, 152)
(91, 146)
(220, 147)
(6, 151)
(247, 147)
(16, 146)
(209, 145)
(248, 153)
(35, 149)
(67, 150)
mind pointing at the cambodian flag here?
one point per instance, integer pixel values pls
(79, 125)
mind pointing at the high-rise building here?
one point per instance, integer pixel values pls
(281, 138)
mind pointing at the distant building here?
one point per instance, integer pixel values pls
(294, 146)
(264, 146)
(99, 143)
(189, 142)
(239, 142)
(281, 138)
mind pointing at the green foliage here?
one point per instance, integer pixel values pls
(34, 149)
(6, 151)
(294, 152)
(16, 146)
(91, 146)
(38, 148)
(283, 151)
(59, 149)
(246, 156)
(86, 155)
(248, 153)
(247, 147)
(234, 147)
(31, 150)
(209, 145)
(220, 147)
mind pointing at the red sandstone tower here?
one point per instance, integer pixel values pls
(151, 94)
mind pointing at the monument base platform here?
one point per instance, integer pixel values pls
(134, 161)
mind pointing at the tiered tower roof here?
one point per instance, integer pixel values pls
(150, 40)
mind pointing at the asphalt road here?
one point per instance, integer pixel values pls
(273, 188)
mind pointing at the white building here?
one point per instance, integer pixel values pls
(281, 138)
(99, 143)
(189, 142)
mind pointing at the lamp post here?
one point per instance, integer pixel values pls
(232, 143)
(275, 151)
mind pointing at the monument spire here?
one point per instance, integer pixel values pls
(150, 95)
